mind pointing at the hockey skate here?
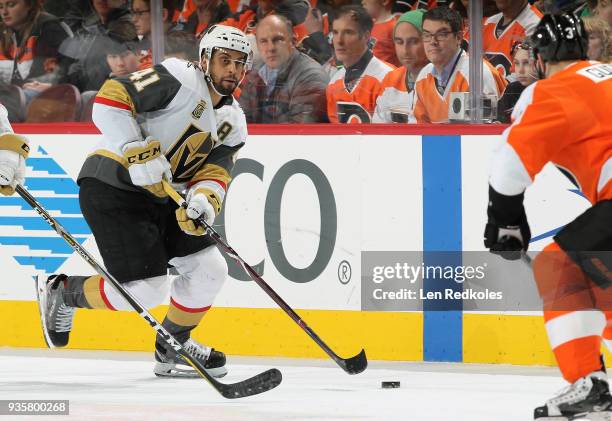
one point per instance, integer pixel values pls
(170, 364)
(55, 316)
(586, 399)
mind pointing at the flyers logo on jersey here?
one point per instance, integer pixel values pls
(189, 153)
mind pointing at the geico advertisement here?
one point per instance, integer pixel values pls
(301, 210)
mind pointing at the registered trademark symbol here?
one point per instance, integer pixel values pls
(344, 272)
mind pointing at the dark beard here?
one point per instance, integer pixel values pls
(224, 91)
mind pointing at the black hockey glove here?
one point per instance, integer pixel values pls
(507, 231)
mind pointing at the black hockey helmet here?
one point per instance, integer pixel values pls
(560, 37)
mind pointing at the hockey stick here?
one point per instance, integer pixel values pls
(352, 365)
(252, 386)
(525, 258)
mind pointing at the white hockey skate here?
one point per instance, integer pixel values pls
(56, 317)
(170, 364)
(586, 399)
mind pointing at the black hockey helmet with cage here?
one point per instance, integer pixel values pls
(560, 37)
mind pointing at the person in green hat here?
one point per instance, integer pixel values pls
(396, 101)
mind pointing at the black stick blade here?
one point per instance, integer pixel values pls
(258, 384)
(356, 364)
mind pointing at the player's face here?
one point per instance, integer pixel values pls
(14, 13)
(409, 46)
(123, 63)
(274, 42)
(141, 16)
(441, 44)
(349, 43)
(227, 68)
(523, 67)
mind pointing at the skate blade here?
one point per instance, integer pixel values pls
(41, 297)
(171, 370)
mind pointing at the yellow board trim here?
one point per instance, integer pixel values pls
(487, 338)
(236, 331)
(505, 339)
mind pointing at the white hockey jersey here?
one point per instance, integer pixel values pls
(5, 126)
(169, 102)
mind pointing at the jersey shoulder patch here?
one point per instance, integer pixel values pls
(187, 73)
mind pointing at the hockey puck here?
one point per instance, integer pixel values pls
(390, 385)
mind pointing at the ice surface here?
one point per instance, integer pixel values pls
(121, 386)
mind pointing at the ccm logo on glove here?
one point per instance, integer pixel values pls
(145, 154)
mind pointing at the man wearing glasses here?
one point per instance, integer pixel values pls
(141, 16)
(449, 68)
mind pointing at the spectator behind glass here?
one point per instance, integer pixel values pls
(104, 17)
(182, 45)
(205, 14)
(352, 91)
(141, 17)
(294, 10)
(121, 58)
(382, 31)
(600, 39)
(90, 70)
(316, 43)
(524, 75)
(515, 22)
(604, 11)
(396, 102)
(289, 86)
(449, 68)
(30, 41)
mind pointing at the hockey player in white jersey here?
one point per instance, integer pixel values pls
(175, 121)
(13, 153)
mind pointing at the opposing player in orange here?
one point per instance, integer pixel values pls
(565, 120)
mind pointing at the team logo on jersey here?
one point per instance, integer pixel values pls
(199, 109)
(500, 62)
(189, 152)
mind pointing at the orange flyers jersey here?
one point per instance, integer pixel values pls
(384, 48)
(356, 105)
(396, 101)
(497, 48)
(432, 107)
(564, 120)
